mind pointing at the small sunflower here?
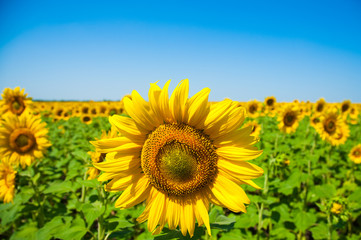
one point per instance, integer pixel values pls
(253, 108)
(14, 101)
(7, 181)
(256, 128)
(320, 105)
(345, 106)
(288, 118)
(355, 154)
(332, 128)
(98, 157)
(23, 138)
(179, 155)
(86, 118)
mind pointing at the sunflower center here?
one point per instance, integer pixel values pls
(319, 107)
(357, 153)
(330, 125)
(177, 163)
(289, 119)
(270, 102)
(179, 159)
(22, 140)
(252, 108)
(17, 106)
(345, 107)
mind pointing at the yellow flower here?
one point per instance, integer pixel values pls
(332, 128)
(86, 118)
(7, 181)
(288, 118)
(355, 154)
(336, 208)
(14, 101)
(320, 105)
(253, 108)
(98, 157)
(287, 162)
(179, 155)
(256, 128)
(23, 138)
(345, 106)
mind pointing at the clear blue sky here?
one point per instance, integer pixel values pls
(243, 50)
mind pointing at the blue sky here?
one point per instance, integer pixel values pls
(243, 50)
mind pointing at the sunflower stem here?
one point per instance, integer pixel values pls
(83, 190)
(101, 229)
(329, 222)
(37, 196)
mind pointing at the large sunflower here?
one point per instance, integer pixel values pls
(289, 118)
(355, 154)
(7, 181)
(23, 138)
(14, 101)
(179, 155)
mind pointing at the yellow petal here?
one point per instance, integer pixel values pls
(116, 145)
(128, 128)
(238, 154)
(203, 214)
(229, 194)
(134, 194)
(178, 100)
(241, 170)
(156, 211)
(121, 183)
(198, 108)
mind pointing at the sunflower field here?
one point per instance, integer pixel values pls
(179, 167)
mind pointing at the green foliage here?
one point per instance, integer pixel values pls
(54, 199)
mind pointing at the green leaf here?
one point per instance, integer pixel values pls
(59, 187)
(304, 220)
(320, 231)
(92, 211)
(325, 191)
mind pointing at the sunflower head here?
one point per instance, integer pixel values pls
(253, 108)
(179, 154)
(289, 118)
(256, 128)
(14, 101)
(355, 154)
(23, 139)
(320, 105)
(7, 181)
(345, 106)
(332, 127)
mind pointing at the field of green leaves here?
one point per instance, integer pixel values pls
(310, 190)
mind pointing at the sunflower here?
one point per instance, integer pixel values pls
(345, 106)
(355, 154)
(14, 101)
(23, 138)
(320, 105)
(332, 128)
(256, 128)
(98, 157)
(253, 108)
(288, 118)
(7, 181)
(179, 155)
(86, 118)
